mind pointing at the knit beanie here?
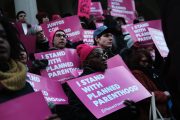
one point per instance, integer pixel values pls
(84, 50)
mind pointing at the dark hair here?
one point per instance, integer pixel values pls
(55, 34)
(40, 16)
(12, 37)
(122, 19)
(20, 12)
(132, 57)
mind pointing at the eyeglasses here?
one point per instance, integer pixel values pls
(61, 35)
(99, 55)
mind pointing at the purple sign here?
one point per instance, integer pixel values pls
(105, 93)
(96, 9)
(52, 90)
(76, 73)
(28, 107)
(116, 61)
(61, 63)
(159, 41)
(123, 8)
(72, 29)
(139, 32)
(84, 8)
(88, 37)
(98, 24)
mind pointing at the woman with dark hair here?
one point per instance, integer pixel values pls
(140, 63)
(42, 17)
(12, 72)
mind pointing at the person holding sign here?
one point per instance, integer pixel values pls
(140, 63)
(93, 60)
(12, 72)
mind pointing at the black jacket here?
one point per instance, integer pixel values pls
(6, 95)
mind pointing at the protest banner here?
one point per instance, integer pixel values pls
(88, 37)
(159, 41)
(52, 90)
(139, 32)
(96, 9)
(105, 93)
(28, 107)
(123, 8)
(84, 8)
(116, 61)
(71, 26)
(60, 63)
(98, 24)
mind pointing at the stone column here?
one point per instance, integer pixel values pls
(30, 7)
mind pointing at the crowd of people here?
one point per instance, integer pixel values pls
(144, 62)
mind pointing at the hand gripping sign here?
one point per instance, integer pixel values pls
(105, 93)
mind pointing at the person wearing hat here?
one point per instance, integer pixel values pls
(103, 38)
(92, 60)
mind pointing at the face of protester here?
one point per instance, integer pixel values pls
(60, 40)
(23, 58)
(97, 61)
(40, 36)
(4, 45)
(105, 40)
(22, 17)
(45, 19)
(144, 61)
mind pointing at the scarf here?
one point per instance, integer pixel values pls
(14, 78)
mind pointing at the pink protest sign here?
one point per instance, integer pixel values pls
(84, 8)
(61, 63)
(98, 24)
(76, 73)
(88, 37)
(71, 26)
(139, 32)
(122, 8)
(116, 61)
(96, 9)
(52, 90)
(28, 107)
(105, 93)
(159, 41)
(29, 41)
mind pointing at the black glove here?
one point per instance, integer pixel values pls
(40, 64)
(132, 108)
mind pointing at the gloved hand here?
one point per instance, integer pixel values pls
(40, 64)
(132, 108)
